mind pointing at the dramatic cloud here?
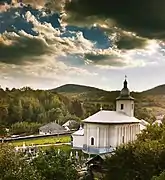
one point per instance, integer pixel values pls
(22, 48)
(15, 48)
(146, 18)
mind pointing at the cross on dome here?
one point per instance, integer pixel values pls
(125, 82)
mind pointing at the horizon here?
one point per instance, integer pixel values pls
(44, 46)
(4, 88)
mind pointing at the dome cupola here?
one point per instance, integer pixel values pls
(125, 93)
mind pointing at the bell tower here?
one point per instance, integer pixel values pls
(125, 103)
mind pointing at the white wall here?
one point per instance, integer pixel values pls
(78, 141)
(106, 135)
(128, 107)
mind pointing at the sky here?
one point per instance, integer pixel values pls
(48, 43)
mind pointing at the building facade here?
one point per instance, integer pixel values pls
(106, 130)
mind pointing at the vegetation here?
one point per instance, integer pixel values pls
(12, 166)
(141, 160)
(48, 165)
(42, 141)
(24, 110)
(147, 104)
(160, 177)
(25, 128)
(52, 165)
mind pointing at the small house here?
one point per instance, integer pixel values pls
(51, 128)
(71, 124)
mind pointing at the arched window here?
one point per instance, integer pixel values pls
(92, 141)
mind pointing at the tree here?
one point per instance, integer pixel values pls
(55, 166)
(160, 177)
(13, 167)
(140, 160)
(25, 128)
(77, 108)
(2, 131)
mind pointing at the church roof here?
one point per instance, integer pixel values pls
(111, 117)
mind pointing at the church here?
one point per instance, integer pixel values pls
(106, 130)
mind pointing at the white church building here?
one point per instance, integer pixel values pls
(106, 130)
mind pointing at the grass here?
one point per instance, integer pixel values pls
(42, 141)
(65, 148)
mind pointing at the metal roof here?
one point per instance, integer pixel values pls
(110, 117)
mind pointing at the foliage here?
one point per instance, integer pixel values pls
(3, 131)
(35, 106)
(93, 98)
(42, 140)
(13, 167)
(25, 128)
(49, 165)
(69, 102)
(53, 165)
(153, 133)
(160, 177)
(140, 160)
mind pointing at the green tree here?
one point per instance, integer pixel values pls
(13, 167)
(77, 108)
(54, 166)
(25, 128)
(160, 177)
(2, 131)
(140, 160)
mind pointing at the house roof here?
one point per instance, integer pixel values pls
(110, 117)
(80, 132)
(70, 122)
(52, 127)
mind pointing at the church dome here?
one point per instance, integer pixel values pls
(125, 93)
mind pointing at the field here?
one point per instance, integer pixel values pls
(42, 141)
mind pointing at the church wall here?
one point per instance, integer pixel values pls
(78, 141)
(109, 135)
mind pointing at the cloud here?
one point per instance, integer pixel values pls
(51, 71)
(127, 40)
(106, 58)
(145, 18)
(21, 48)
(17, 48)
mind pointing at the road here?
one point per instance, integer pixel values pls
(35, 136)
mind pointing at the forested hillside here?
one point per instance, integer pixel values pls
(148, 104)
(22, 107)
(36, 107)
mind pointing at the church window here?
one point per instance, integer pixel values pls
(132, 106)
(92, 141)
(122, 106)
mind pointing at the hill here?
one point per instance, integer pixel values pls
(83, 93)
(74, 88)
(159, 90)
(151, 101)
